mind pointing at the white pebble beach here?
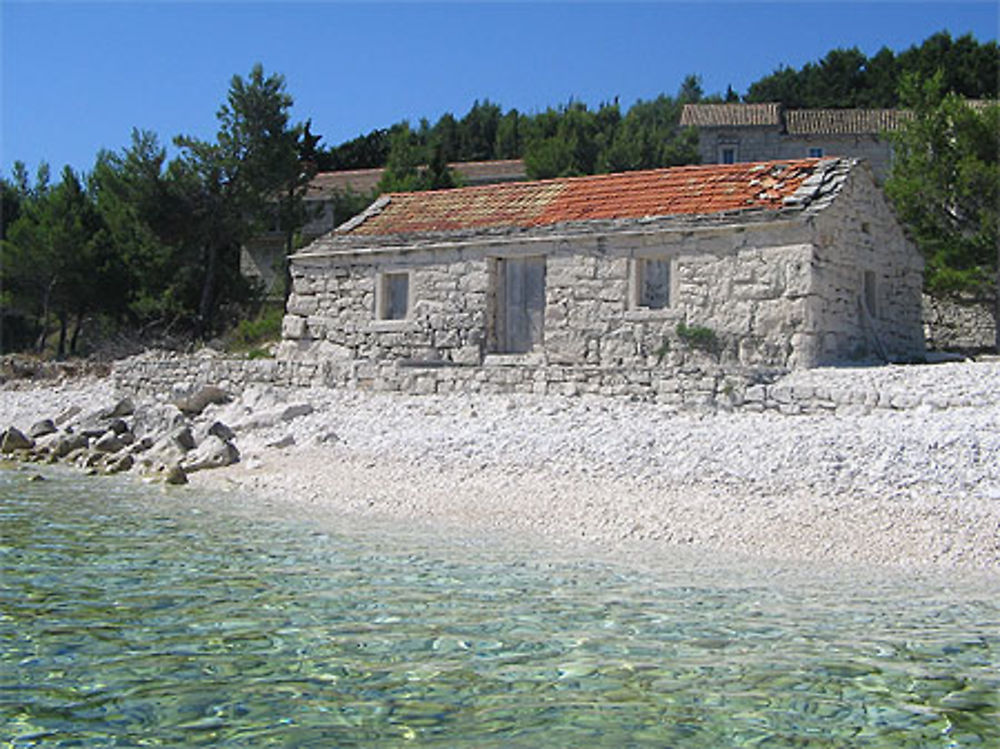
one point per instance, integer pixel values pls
(915, 487)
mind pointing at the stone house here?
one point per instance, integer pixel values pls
(662, 283)
(730, 133)
(261, 258)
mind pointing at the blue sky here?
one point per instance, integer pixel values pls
(78, 76)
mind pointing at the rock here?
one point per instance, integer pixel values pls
(109, 442)
(212, 453)
(124, 407)
(67, 415)
(120, 464)
(221, 431)
(36, 477)
(295, 411)
(76, 456)
(183, 438)
(13, 439)
(286, 441)
(42, 428)
(327, 438)
(195, 404)
(141, 445)
(157, 419)
(69, 443)
(93, 459)
(175, 475)
(118, 426)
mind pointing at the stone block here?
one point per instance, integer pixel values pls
(293, 326)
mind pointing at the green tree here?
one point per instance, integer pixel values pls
(414, 166)
(144, 213)
(56, 264)
(233, 182)
(945, 185)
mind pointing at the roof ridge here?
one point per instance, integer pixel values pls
(738, 166)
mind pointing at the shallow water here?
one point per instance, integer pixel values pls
(134, 616)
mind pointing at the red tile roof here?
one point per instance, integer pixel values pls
(629, 195)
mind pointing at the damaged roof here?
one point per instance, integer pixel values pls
(678, 191)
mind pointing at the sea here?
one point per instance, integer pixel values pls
(135, 615)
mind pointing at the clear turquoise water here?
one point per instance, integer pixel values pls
(135, 617)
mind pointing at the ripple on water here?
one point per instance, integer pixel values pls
(133, 616)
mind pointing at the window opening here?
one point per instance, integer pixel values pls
(653, 283)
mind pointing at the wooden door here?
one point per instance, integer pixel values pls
(522, 303)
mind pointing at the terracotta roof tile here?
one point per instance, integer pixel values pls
(630, 195)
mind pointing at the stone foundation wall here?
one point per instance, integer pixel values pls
(704, 387)
(702, 382)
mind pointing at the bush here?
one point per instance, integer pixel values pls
(698, 337)
(247, 336)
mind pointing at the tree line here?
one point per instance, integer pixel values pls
(147, 245)
(151, 246)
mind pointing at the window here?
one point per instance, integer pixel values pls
(727, 155)
(870, 291)
(392, 298)
(652, 283)
(815, 153)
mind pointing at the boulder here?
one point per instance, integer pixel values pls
(42, 428)
(221, 431)
(68, 443)
(175, 475)
(156, 419)
(124, 407)
(14, 439)
(120, 463)
(109, 442)
(212, 453)
(67, 415)
(195, 404)
(295, 411)
(183, 438)
(117, 425)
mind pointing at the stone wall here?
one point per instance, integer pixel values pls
(868, 280)
(701, 383)
(702, 386)
(749, 285)
(954, 325)
(767, 143)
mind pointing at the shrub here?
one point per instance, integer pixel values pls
(698, 337)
